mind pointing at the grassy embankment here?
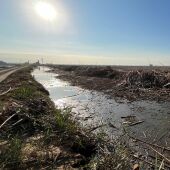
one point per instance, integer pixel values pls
(34, 134)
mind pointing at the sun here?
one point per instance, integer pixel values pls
(45, 10)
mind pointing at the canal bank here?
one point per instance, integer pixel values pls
(146, 122)
(93, 108)
(36, 135)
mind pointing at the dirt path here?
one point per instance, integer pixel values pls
(2, 71)
(3, 76)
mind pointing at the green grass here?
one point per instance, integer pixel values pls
(64, 122)
(23, 92)
(117, 160)
(12, 154)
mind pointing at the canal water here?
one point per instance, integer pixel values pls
(91, 109)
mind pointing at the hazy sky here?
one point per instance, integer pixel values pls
(87, 32)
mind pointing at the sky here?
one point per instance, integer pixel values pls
(112, 32)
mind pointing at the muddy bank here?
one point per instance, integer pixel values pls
(132, 83)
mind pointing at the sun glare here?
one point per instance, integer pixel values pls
(46, 10)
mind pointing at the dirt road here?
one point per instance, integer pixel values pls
(4, 74)
(4, 70)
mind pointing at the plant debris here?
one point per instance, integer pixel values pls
(131, 120)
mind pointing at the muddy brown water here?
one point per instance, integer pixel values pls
(91, 108)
